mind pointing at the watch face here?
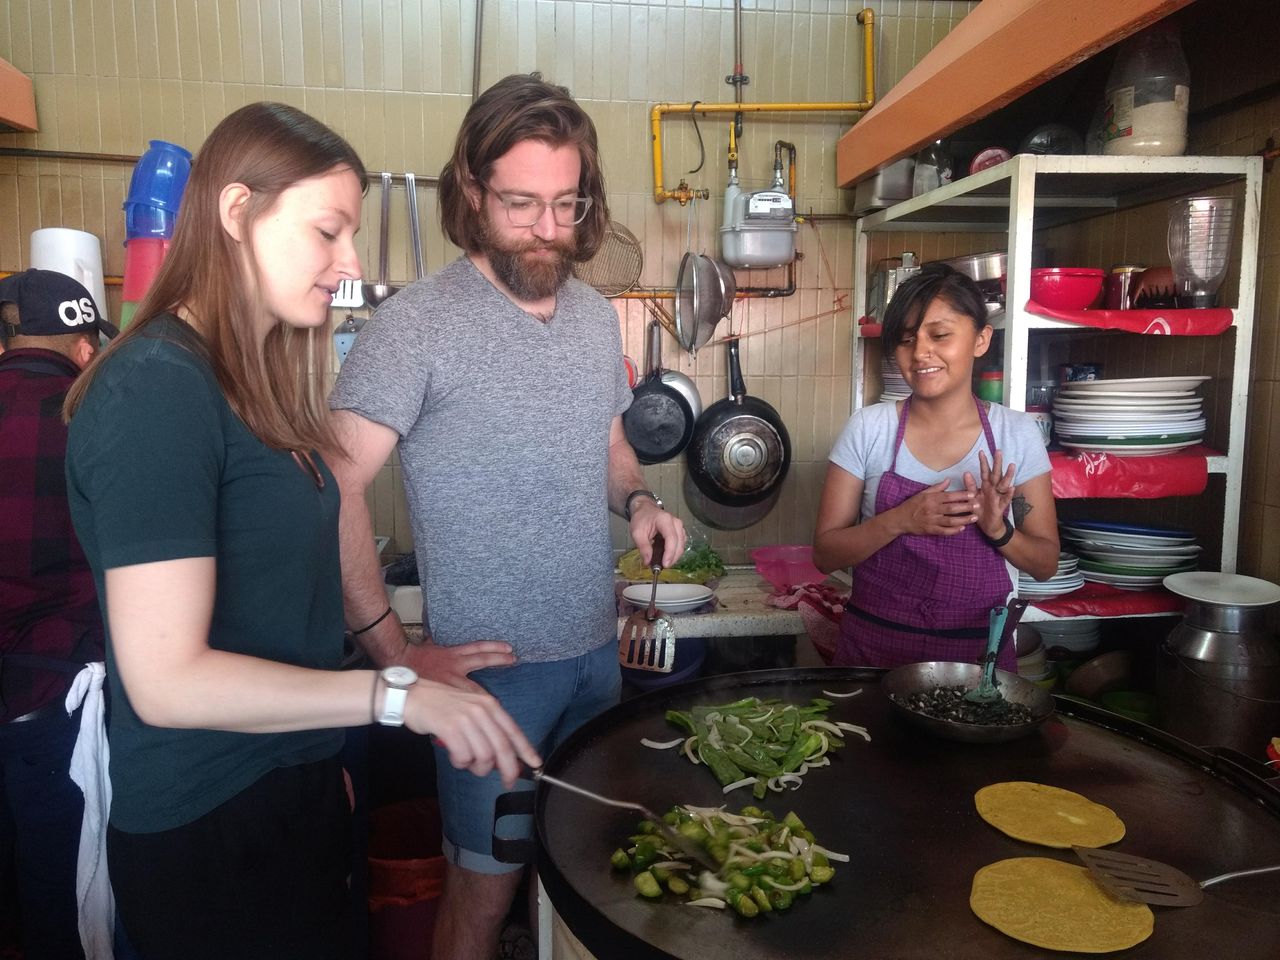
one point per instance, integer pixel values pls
(399, 676)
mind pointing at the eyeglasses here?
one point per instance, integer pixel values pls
(525, 211)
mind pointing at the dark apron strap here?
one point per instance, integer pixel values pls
(958, 633)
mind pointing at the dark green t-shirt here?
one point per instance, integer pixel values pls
(159, 467)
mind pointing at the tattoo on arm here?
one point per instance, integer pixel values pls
(1020, 509)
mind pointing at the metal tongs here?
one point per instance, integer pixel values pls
(686, 845)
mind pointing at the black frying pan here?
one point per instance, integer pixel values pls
(740, 450)
(659, 422)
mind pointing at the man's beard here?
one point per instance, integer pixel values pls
(529, 278)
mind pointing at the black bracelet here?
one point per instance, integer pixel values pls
(385, 613)
(1005, 537)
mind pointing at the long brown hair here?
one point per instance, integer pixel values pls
(520, 107)
(277, 391)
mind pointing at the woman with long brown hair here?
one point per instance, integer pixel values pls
(200, 491)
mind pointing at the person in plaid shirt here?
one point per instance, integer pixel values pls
(49, 620)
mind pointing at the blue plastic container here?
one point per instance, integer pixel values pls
(159, 177)
(145, 220)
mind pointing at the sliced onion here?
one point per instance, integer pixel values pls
(664, 745)
(689, 750)
(675, 865)
(737, 820)
(841, 696)
(854, 728)
(739, 784)
(792, 780)
(711, 883)
(831, 854)
(823, 725)
(714, 902)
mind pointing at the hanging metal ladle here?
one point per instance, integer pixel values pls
(375, 293)
(415, 232)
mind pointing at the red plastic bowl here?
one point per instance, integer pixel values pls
(1066, 288)
(786, 567)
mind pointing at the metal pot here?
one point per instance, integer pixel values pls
(740, 450)
(1218, 673)
(660, 421)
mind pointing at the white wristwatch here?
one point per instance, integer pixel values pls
(397, 681)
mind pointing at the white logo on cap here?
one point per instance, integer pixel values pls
(76, 313)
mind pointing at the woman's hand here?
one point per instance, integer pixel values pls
(478, 734)
(937, 512)
(993, 495)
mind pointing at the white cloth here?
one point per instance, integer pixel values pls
(94, 900)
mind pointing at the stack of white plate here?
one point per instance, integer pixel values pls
(1078, 637)
(1126, 555)
(1138, 417)
(895, 386)
(1067, 578)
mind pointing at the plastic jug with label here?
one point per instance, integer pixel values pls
(1145, 106)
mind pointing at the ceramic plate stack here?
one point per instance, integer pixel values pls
(1067, 578)
(1139, 417)
(895, 387)
(1077, 638)
(1128, 556)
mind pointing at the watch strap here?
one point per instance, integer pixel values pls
(1005, 537)
(626, 506)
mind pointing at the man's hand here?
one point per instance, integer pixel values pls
(647, 518)
(450, 665)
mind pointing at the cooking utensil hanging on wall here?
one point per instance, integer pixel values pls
(375, 293)
(615, 268)
(659, 422)
(740, 450)
(674, 378)
(718, 516)
(415, 232)
(728, 284)
(697, 297)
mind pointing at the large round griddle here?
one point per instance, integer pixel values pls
(902, 808)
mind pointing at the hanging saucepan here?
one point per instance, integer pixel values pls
(740, 450)
(659, 422)
(674, 378)
(720, 517)
(698, 300)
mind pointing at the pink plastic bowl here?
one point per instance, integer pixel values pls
(1066, 288)
(786, 567)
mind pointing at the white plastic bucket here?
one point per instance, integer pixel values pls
(75, 253)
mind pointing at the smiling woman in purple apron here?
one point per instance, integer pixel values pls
(936, 500)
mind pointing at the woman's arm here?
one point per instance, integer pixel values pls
(159, 616)
(839, 540)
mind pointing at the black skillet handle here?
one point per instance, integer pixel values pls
(513, 849)
(1017, 607)
(737, 386)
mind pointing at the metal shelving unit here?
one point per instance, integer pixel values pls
(1029, 193)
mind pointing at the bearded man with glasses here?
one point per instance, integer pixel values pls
(500, 378)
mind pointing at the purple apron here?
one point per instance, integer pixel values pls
(924, 597)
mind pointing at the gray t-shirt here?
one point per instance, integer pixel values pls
(865, 449)
(504, 445)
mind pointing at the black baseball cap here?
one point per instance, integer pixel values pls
(51, 304)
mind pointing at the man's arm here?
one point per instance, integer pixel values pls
(647, 518)
(368, 445)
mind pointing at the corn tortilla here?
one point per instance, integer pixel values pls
(1057, 906)
(1049, 816)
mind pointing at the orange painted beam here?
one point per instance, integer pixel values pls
(17, 98)
(994, 55)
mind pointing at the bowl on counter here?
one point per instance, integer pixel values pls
(1103, 674)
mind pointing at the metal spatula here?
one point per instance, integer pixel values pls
(686, 845)
(648, 640)
(1148, 881)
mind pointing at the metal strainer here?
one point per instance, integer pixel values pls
(615, 269)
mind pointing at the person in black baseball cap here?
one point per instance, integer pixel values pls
(37, 305)
(50, 624)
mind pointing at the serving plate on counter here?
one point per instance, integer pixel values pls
(671, 597)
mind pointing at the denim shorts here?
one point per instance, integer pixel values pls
(549, 701)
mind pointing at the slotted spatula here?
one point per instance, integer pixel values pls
(1149, 881)
(648, 640)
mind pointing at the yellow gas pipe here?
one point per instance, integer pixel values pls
(683, 193)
